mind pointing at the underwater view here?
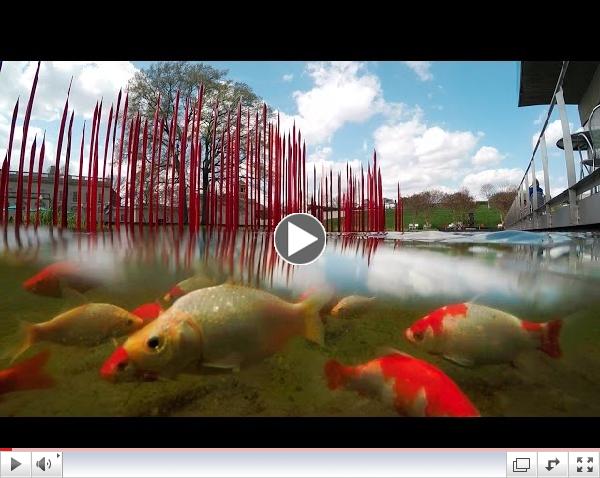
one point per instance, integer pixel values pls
(170, 322)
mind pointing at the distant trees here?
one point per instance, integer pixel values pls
(503, 198)
(460, 203)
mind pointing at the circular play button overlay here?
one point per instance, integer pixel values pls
(300, 239)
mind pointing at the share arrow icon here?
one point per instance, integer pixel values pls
(552, 464)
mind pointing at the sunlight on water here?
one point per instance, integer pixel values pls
(536, 276)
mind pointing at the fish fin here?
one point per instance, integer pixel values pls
(73, 296)
(550, 338)
(392, 350)
(418, 406)
(335, 373)
(29, 374)
(313, 325)
(28, 332)
(474, 299)
(465, 362)
(230, 362)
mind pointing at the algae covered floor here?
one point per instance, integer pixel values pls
(292, 382)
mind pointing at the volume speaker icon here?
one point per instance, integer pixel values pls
(43, 463)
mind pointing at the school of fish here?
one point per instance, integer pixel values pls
(204, 323)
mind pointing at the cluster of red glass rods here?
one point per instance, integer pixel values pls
(256, 173)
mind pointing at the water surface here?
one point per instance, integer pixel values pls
(537, 276)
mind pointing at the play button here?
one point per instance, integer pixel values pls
(300, 239)
(14, 464)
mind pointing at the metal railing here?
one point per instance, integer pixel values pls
(535, 211)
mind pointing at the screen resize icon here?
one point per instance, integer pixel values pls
(521, 465)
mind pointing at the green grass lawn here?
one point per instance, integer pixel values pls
(441, 217)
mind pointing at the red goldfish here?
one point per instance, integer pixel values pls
(413, 387)
(472, 334)
(51, 280)
(148, 312)
(26, 375)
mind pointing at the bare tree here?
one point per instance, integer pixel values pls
(460, 203)
(503, 199)
(166, 78)
(487, 191)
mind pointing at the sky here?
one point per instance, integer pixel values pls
(443, 125)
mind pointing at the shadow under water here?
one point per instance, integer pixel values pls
(536, 276)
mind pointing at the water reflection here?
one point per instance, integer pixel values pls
(537, 274)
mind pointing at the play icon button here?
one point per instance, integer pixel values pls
(300, 239)
(14, 464)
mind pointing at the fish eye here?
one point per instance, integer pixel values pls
(419, 336)
(122, 365)
(129, 322)
(153, 342)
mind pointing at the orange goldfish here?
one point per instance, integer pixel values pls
(198, 281)
(88, 325)
(352, 306)
(222, 327)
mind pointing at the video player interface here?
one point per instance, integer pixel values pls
(299, 463)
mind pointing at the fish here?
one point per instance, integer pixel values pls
(472, 334)
(148, 312)
(351, 306)
(224, 327)
(87, 325)
(52, 280)
(27, 375)
(413, 387)
(198, 281)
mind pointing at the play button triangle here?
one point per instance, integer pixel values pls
(298, 239)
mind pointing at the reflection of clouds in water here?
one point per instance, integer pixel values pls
(416, 275)
(346, 272)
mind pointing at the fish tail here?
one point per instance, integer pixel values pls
(313, 325)
(550, 338)
(336, 374)
(28, 331)
(29, 374)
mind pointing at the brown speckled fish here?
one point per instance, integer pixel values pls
(225, 327)
(88, 325)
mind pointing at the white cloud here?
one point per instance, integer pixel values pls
(343, 92)
(553, 133)
(487, 156)
(319, 161)
(92, 81)
(287, 77)
(421, 68)
(505, 176)
(422, 156)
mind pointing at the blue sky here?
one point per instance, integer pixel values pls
(434, 124)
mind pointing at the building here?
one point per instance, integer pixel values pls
(47, 192)
(557, 84)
